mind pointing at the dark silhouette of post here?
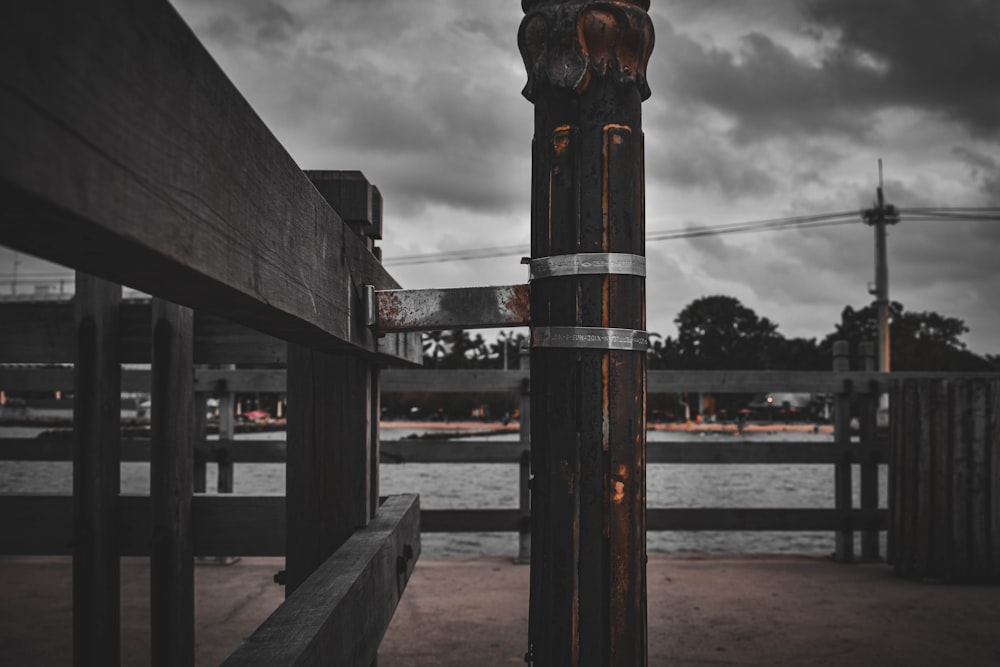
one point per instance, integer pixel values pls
(586, 65)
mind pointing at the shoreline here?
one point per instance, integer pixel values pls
(513, 427)
(471, 426)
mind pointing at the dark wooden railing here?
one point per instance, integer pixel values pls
(132, 159)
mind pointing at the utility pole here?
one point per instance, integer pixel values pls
(880, 215)
(13, 284)
(586, 63)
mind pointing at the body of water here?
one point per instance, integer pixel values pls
(455, 486)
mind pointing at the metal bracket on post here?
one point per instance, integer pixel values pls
(458, 308)
(590, 263)
(591, 338)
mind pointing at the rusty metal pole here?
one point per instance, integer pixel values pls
(586, 65)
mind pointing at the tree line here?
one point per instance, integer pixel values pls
(713, 333)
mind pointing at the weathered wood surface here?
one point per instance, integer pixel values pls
(588, 428)
(842, 485)
(944, 522)
(458, 381)
(41, 332)
(224, 525)
(221, 525)
(765, 519)
(129, 154)
(171, 486)
(339, 615)
(328, 482)
(358, 202)
(96, 417)
(869, 403)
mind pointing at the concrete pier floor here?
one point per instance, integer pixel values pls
(715, 611)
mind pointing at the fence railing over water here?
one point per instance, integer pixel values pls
(859, 455)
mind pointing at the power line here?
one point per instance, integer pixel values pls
(821, 220)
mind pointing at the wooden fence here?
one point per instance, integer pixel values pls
(859, 455)
(131, 158)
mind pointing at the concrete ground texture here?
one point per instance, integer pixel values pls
(703, 611)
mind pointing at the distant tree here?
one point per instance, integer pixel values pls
(719, 332)
(799, 354)
(458, 344)
(925, 341)
(435, 347)
(663, 352)
(513, 343)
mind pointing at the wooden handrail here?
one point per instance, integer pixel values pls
(192, 199)
(339, 614)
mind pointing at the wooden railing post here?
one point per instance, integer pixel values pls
(842, 436)
(586, 63)
(869, 464)
(171, 486)
(524, 467)
(200, 466)
(96, 434)
(227, 431)
(329, 447)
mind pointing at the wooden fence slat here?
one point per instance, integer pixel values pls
(171, 486)
(960, 480)
(339, 614)
(869, 405)
(941, 481)
(994, 491)
(923, 462)
(205, 176)
(97, 391)
(842, 488)
(979, 487)
(329, 445)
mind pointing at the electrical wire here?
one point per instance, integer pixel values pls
(809, 221)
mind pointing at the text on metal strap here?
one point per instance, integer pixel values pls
(588, 263)
(598, 338)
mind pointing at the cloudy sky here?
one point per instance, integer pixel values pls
(759, 110)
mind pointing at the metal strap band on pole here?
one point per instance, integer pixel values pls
(588, 263)
(591, 338)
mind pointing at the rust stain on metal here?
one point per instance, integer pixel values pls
(518, 302)
(619, 495)
(560, 139)
(391, 313)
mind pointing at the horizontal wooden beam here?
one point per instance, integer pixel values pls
(751, 382)
(477, 451)
(457, 308)
(129, 155)
(255, 525)
(744, 452)
(42, 332)
(339, 615)
(764, 519)
(217, 341)
(456, 381)
(223, 525)
(471, 520)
